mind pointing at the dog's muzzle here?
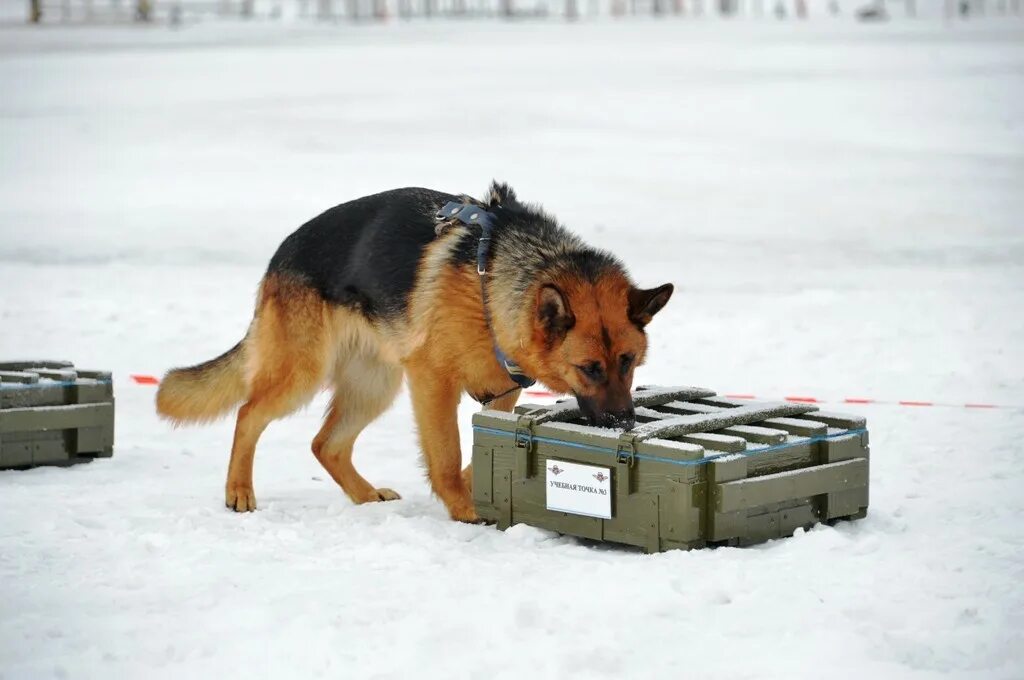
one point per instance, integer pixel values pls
(621, 418)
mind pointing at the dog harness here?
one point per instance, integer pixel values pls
(467, 214)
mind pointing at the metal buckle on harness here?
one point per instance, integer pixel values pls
(449, 211)
(482, 247)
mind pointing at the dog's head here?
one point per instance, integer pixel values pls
(583, 329)
(590, 337)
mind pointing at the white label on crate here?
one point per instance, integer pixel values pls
(579, 489)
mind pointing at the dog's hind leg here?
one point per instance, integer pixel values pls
(365, 386)
(288, 350)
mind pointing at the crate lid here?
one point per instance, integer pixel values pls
(685, 425)
(39, 374)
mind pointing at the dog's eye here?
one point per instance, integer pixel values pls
(592, 370)
(626, 363)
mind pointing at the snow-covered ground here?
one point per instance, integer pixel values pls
(841, 207)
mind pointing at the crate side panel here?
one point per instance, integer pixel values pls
(780, 523)
(51, 447)
(55, 417)
(743, 494)
(483, 476)
(89, 392)
(634, 521)
(529, 505)
(14, 453)
(799, 453)
(497, 466)
(632, 513)
(655, 477)
(851, 501)
(682, 508)
(724, 524)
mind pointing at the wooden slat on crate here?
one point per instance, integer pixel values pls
(752, 433)
(21, 377)
(823, 479)
(804, 428)
(709, 422)
(644, 396)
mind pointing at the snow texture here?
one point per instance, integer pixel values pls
(708, 422)
(568, 409)
(840, 206)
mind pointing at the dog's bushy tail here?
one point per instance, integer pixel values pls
(206, 391)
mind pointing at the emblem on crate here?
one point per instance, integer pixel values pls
(575, 493)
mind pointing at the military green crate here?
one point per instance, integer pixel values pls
(54, 414)
(696, 470)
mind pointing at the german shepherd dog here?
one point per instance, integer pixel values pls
(378, 287)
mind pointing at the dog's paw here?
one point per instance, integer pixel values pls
(384, 494)
(465, 513)
(240, 498)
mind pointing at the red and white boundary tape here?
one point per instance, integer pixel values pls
(862, 400)
(847, 400)
(142, 379)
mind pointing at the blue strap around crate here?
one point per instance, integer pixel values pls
(530, 438)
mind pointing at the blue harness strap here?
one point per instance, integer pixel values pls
(475, 215)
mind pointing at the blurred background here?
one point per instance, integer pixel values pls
(835, 187)
(179, 11)
(819, 186)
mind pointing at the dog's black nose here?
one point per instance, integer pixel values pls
(623, 419)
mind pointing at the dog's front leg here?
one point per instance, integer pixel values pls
(435, 400)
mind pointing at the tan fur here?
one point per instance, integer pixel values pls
(298, 343)
(454, 356)
(597, 308)
(205, 392)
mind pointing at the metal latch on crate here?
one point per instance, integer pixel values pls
(625, 459)
(524, 444)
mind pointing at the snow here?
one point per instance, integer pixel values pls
(839, 205)
(582, 428)
(567, 409)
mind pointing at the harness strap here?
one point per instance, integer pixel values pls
(471, 214)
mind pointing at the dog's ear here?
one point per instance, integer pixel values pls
(553, 313)
(644, 304)
(500, 194)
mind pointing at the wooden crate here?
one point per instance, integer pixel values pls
(54, 414)
(696, 470)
